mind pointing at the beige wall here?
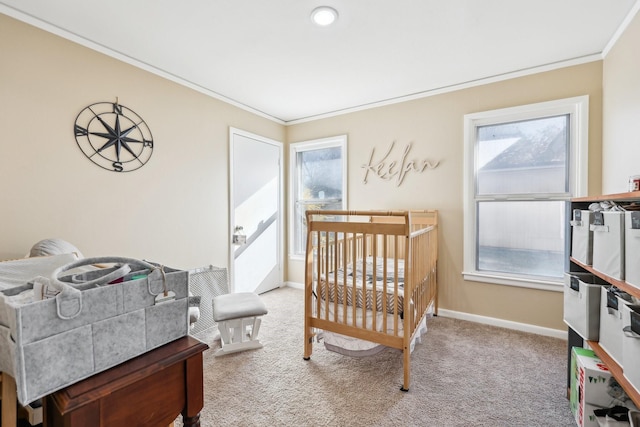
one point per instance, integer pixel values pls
(621, 108)
(173, 210)
(434, 126)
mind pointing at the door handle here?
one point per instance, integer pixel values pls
(239, 237)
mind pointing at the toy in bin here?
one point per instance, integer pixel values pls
(593, 387)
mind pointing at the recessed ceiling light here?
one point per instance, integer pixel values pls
(324, 16)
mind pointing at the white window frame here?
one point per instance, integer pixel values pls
(578, 109)
(295, 148)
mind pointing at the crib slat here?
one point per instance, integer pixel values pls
(361, 260)
(343, 256)
(334, 272)
(327, 272)
(385, 284)
(374, 282)
(354, 285)
(319, 264)
(396, 290)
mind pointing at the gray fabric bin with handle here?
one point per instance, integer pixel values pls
(99, 318)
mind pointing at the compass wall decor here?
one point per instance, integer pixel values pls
(113, 136)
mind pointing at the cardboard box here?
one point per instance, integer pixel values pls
(573, 384)
(592, 387)
(34, 413)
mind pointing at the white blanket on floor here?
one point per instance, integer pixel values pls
(358, 347)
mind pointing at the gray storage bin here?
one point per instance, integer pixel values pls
(582, 236)
(631, 344)
(582, 304)
(611, 323)
(632, 248)
(89, 326)
(608, 243)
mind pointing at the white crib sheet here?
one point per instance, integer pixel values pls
(364, 288)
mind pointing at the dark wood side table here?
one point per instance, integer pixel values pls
(149, 390)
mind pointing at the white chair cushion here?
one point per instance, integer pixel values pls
(237, 305)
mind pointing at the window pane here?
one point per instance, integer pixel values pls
(318, 186)
(320, 174)
(529, 156)
(300, 225)
(521, 237)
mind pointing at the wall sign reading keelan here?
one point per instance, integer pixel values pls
(389, 169)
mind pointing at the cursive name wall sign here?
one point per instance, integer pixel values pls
(389, 169)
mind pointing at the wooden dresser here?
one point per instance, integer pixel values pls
(150, 390)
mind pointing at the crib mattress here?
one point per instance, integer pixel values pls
(365, 283)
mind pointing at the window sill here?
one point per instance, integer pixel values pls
(296, 257)
(540, 284)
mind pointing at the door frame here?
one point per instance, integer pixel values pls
(281, 212)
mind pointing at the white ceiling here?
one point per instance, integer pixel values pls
(266, 56)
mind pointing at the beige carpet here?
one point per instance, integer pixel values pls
(463, 374)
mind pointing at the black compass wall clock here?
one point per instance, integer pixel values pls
(113, 136)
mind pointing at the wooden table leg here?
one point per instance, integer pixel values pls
(191, 421)
(9, 401)
(195, 391)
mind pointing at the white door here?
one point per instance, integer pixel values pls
(256, 221)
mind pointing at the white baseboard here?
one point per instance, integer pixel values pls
(524, 327)
(295, 285)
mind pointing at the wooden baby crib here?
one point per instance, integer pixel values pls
(371, 275)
